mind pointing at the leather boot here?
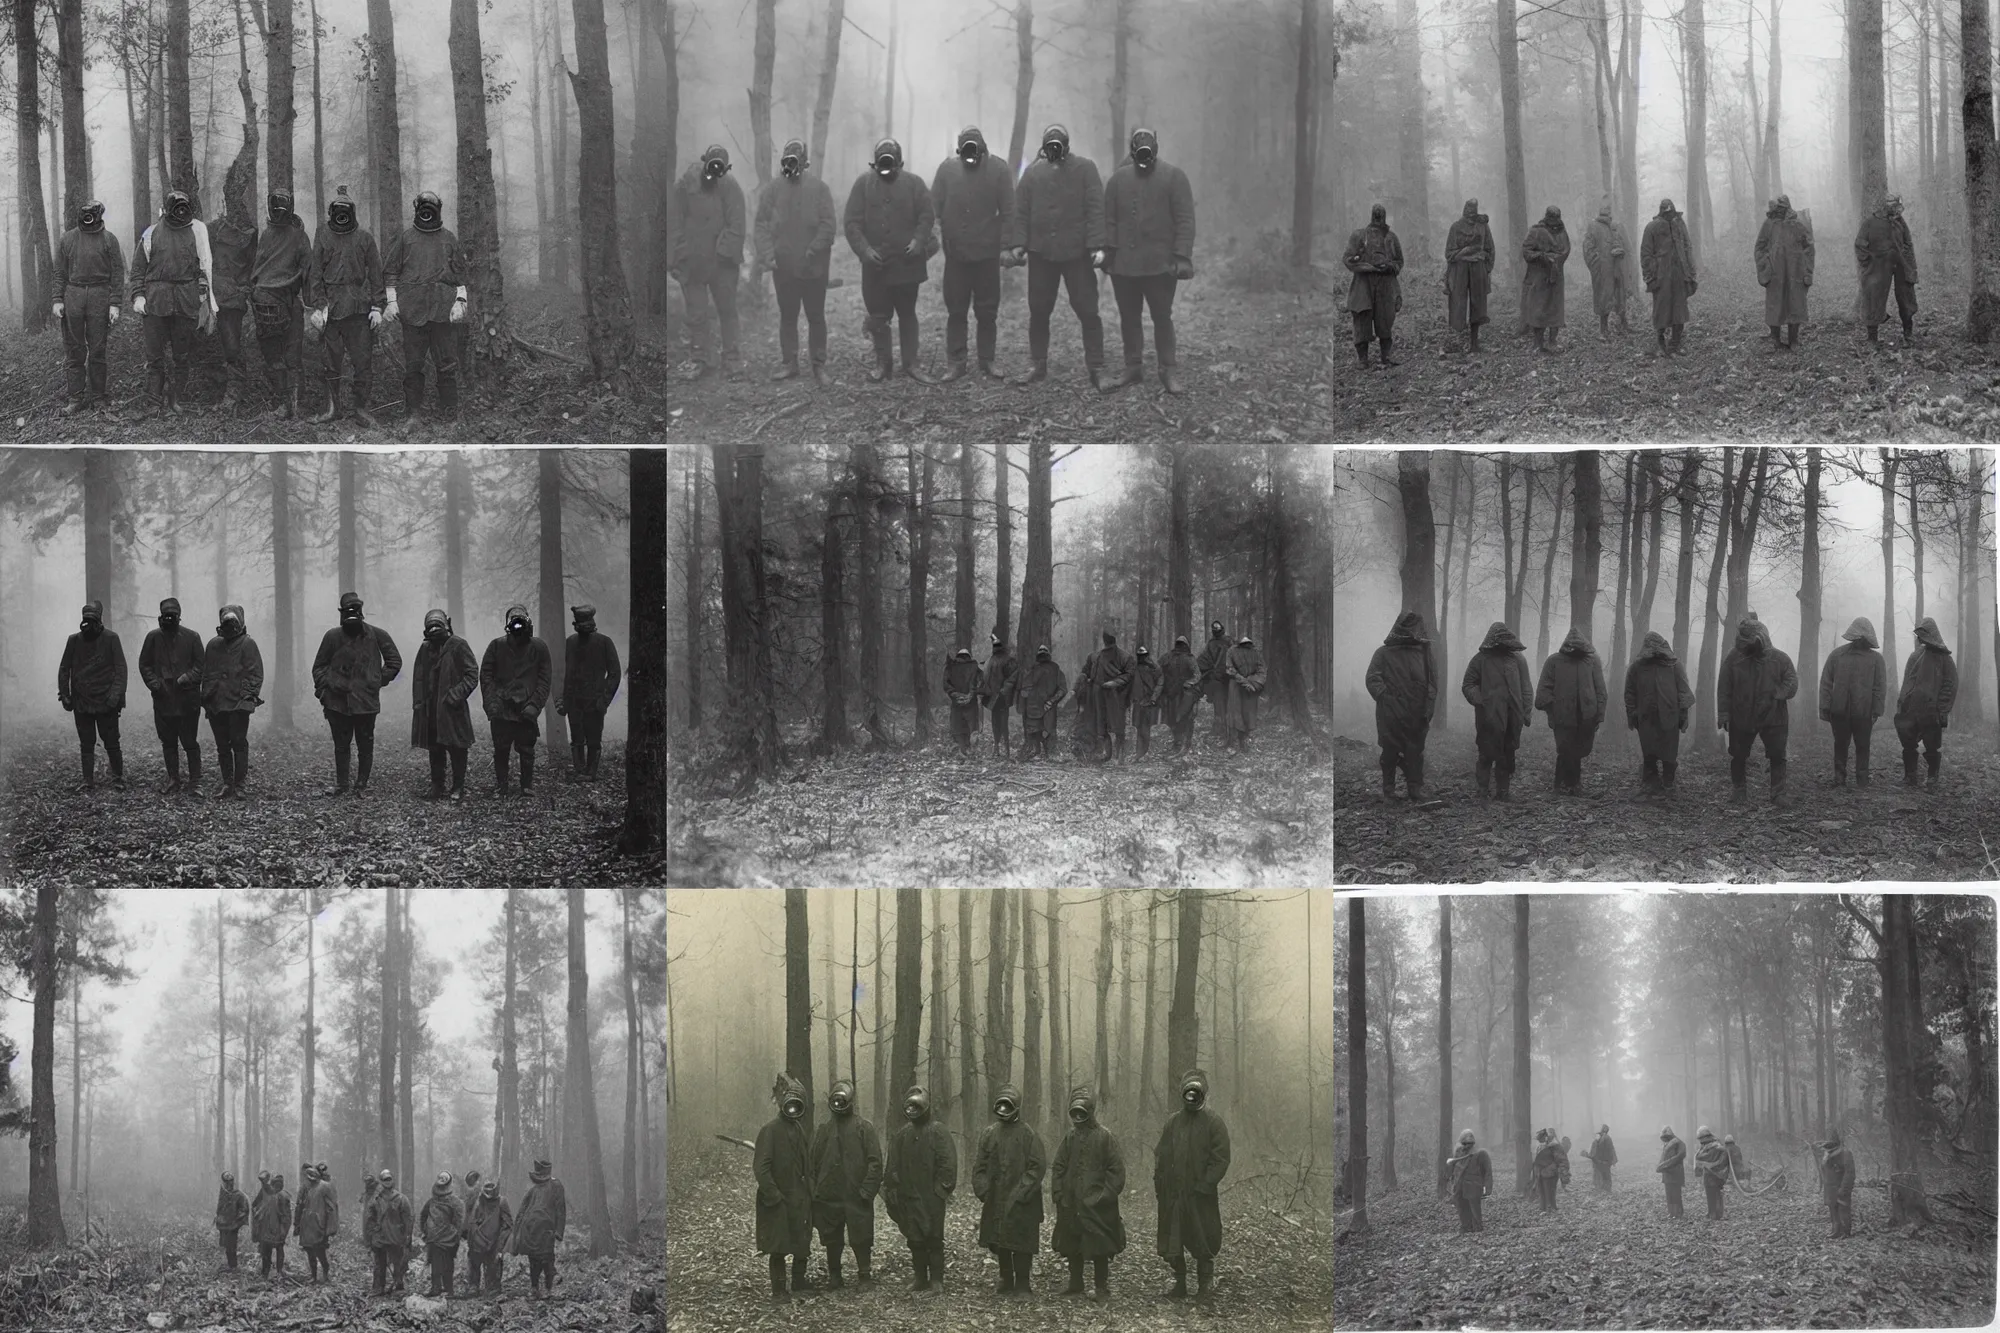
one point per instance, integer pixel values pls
(1875, 333)
(1006, 1283)
(1037, 372)
(1101, 1272)
(787, 370)
(987, 371)
(1204, 1270)
(819, 373)
(920, 1264)
(1604, 323)
(861, 1257)
(1503, 783)
(1388, 351)
(937, 1264)
(1538, 340)
(1388, 781)
(1483, 776)
(1909, 768)
(1075, 1287)
(780, 1293)
(1909, 330)
(912, 371)
(1667, 771)
(447, 389)
(1680, 334)
(1127, 377)
(1932, 760)
(1024, 1262)
(799, 1282)
(332, 403)
(885, 360)
(954, 372)
(1179, 1292)
(833, 1278)
(1739, 794)
(528, 770)
(1792, 339)
(1660, 342)
(1361, 351)
(1096, 374)
(579, 766)
(1413, 776)
(413, 394)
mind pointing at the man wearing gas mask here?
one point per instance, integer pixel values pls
(1085, 1182)
(1189, 1163)
(232, 687)
(277, 288)
(344, 288)
(782, 1164)
(1374, 294)
(232, 239)
(514, 688)
(590, 682)
(90, 270)
(973, 193)
(795, 230)
(171, 291)
(425, 283)
(1007, 1180)
(1059, 234)
(846, 1170)
(90, 683)
(1148, 251)
(707, 231)
(892, 229)
(170, 662)
(444, 677)
(917, 1184)
(355, 660)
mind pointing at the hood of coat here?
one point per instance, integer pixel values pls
(231, 625)
(1862, 631)
(840, 1098)
(443, 1189)
(1575, 645)
(1194, 1089)
(1085, 1100)
(1499, 637)
(1011, 1097)
(1553, 219)
(1472, 213)
(1656, 645)
(1928, 636)
(1752, 637)
(1408, 630)
(971, 146)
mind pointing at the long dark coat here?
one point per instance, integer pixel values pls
(590, 672)
(1402, 680)
(1109, 671)
(1546, 250)
(1930, 680)
(1666, 262)
(1244, 687)
(440, 683)
(1189, 1163)
(1658, 698)
(1754, 681)
(232, 673)
(349, 670)
(1854, 683)
(1148, 681)
(163, 661)
(1496, 682)
(489, 1223)
(783, 1168)
(1369, 249)
(1182, 685)
(888, 215)
(1214, 681)
(1043, 686)
(1007, 1180)
(1609, 260)
(923, 1171)
(92, 675)
(1571, 690)
(1471, 1173)
(1088, 1177)
(544, 1215)
(232, 1209)
(1784, 266)
(514, 680)
(443, 1219)
(845, 1166)
(1673, 1162)
(1000, 680)
(271, 1218)
(1468, 274)
(318, 1215)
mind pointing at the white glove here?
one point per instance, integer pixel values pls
(375, 318)
(114, 314)
(318, 317)
(139, 305)
(457, 315)
(58, 308)
(391, 309)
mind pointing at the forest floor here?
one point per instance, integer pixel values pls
(143, 1269)
(1615, 831)
(287, 831)
(924, 817)
(1274, 1273)
(1618, 1261)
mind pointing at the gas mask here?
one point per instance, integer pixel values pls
(1055, 150)
(1192, 1098)
(91, 217)
(350, 615)
(913, 1110)
(90, 627)
(793, 166)
(170, 621)
(180, 209)
(1145, 149)
(430, 212)
(1077, 1115)
(517, 626)
(971, 151)
(886, 165)
(794, 1108)
(714, 165)
(278, 207)
(340, 216)
(839, 1103)
(437, 631)
(1006, 1110)
(230, 628)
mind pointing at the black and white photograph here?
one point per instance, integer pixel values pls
(1079, 1110)
(371, 667)
(473, 1085)
(1716, 665)
(1727, 1109)
(918, 662)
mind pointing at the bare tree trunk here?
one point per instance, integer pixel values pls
(1704, 682)
(1024, 83)
(1809, 608)
(1629, 538)
(580, 1116)
(628, 1162)
(829, 69)
(1774, 87)
(867, 484)
(834, 731)
(384, 119)
(1445, 1139)
(1523, 1060)
(939, 1075)
(549, 581)
(1104, 934)
(319, 127)
(919, 512)
(1003, 550)
(909, 986)
(763, 56)
(1585, 542)
(1182, 1019)
(385, 1102)
(965, 610)
(1889, 460)
(1507, 39)
(1037, 598)
(1868, 168)
(999, 1060)
(607, 305)
(798, 996)
(696, 594)
(1694, 64)
(37, 260)
(1031, 1028)
(1549, 560)
(968, 1068)
(1415, 160)
(1357, 1061)
(478, 208)
(1304, 99)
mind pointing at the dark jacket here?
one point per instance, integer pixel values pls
(443, 678)
(271, 1218)
(1375, 257)
(388, 1219)
(1545, 249)
(975, 206)
(1836, 1174)
(1243, 667)
(345, 276)
(1043, 686)
(283, 256)
(1059, 210)
(514, 679)
(590, 672)
(795, 226)
(1402, 680)
(1673, 1158)
(1000, 680)
(443, 1219)
(318, 1218)
(1496, 682)
(1754, 681)
(1609, 259)
(1930, 680)
(888, 215)
(426, 268)
(162, 663)
(349, 670)
(1109, 674)
(845, 1168)
(781, 1164)
(922, 1172)
(1710, 1159)
(1571, 690)
(1657, 693)
(1471, 1173)
(232, 1209)
(92, 675)
(1189, 1163)
(489, 1225)
(1666, 262)
(963, 682)
(1007, 1180)
(1214, 676)
(544, 1216)
(232, 679)
(706, 227)
(1854, 683)
(1603, 1153)
(1148, 219)
(90, 259)
(1148, 689)
(1086, 1180)
(1180, 685)
(1784, 265)
(234, 250)
(166, 270)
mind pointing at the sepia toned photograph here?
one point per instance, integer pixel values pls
(1032, 1109)
(1644, 1110)
(1715, 665)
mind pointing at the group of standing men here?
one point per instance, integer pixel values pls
(188, 275)
(831, 1184)
(1753, 685)
(1111, 682)
(1062, 222)
(356, 659)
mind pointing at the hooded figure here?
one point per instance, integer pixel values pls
(1148, 251)
(90, 273)
(1658, 704)
(1853, 691)
(1887, 258)
(513, 689)
(705, 252)
(355, 660)
(795, 233)
(845, 1167)
(999, 686)
(892, 229)
(1666, 262)
(544, 1213)
(1551, 1164)
(1243, 666)
(423, 275)
(1496, 685)
(1572, 693)
(489, 1225)
(232, 245)
(1059, 233)
(1402, 680)
(445, 675)
(316, 1223)
(1213, 662)
(171, 288)
(1148, 690)
(443, 1225)
(1108, 672)
(232, 1214)
(90, 683)
(232, 685)
(1181, 689)
(1784, 268)
(1470, 1178)
(277, 292)
(1603, 1155)
(389, 1225)
(1189, 1163)
(1546, 250)
(1375, 257)
(1751, 688)
(1088, 1177)
(1923, 704)
(1711, 1161)
(1836, 1185)
(1468, 272)
(917, 1186)
(963, 683)
(271, 1223)
(973, 194)
(170, 664)
(590, 682)
(1609, 260)
(1673, 1156)
(345, 291)
(1007, 1180)
(1043, 686)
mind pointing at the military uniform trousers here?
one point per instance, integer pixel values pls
(86, 326)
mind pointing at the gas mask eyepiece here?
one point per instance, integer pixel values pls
(91, 216)
(885, 164)
(1055, 150)
(794, 1108)
(792, 166)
